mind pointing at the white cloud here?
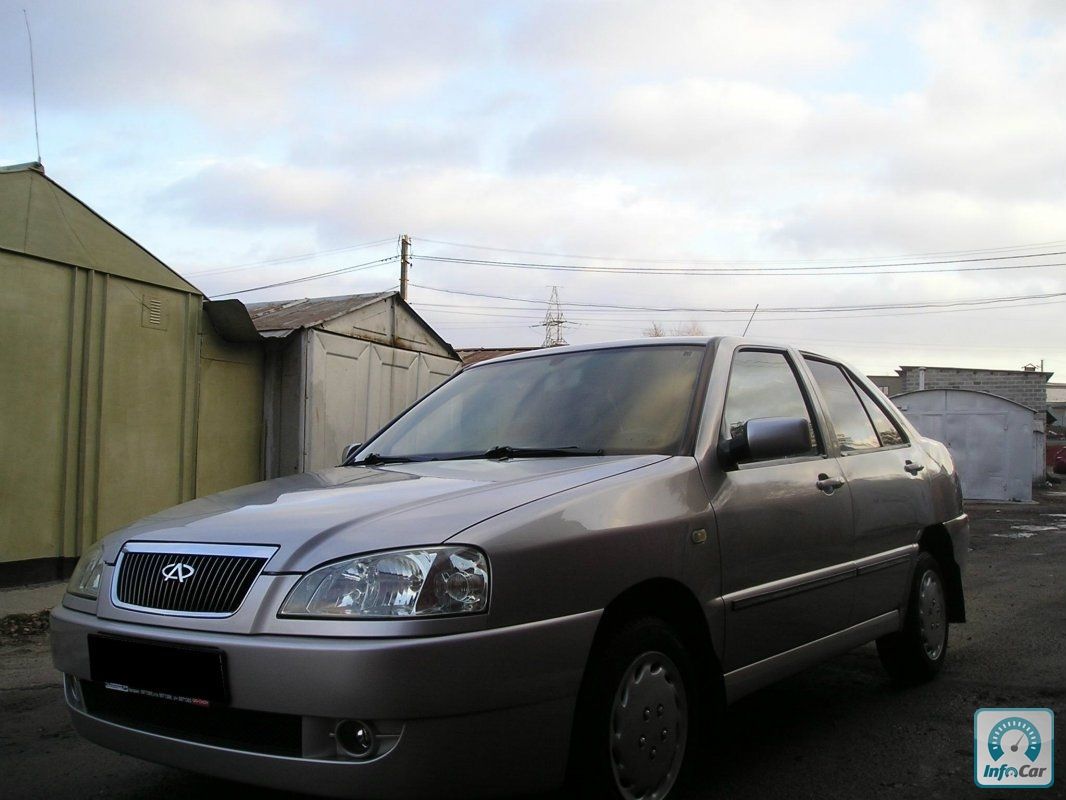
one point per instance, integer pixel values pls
(606, 214)
(691, 37)
(691, 121)
(897, 221)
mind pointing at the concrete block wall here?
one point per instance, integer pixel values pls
(1027, 388)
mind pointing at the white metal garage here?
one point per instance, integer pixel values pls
(992, 439)
(342, 368)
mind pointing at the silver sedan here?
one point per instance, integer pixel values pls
(558, 566)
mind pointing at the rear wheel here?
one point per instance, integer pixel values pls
(916, 653)
(634, 715)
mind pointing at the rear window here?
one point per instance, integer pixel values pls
(887, 430)
(846, 411)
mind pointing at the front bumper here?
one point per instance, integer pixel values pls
(959, 531)
(468, 714)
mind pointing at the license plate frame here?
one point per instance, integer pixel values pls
(177, 672)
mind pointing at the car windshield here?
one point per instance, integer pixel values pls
(627, 400)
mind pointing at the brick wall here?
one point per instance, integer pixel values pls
(1027, 388)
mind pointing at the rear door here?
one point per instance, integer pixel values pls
(889, 493)
(785, 543)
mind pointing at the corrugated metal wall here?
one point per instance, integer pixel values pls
(342, 380)
(229, 425)
(358, 387)
(100, 408)
(112, 409)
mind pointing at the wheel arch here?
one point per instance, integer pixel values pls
(936, 541)
(675, 604)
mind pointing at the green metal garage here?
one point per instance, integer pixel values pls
(117, 396)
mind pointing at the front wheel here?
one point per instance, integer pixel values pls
(916, 653)
(634, 715)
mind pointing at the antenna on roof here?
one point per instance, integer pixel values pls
(754, 311)
(33, 85)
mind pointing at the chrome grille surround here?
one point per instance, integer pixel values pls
(221, 578)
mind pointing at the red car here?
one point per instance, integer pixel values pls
(1060, 462)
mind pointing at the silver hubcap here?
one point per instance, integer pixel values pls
(931, 614)
(648, 728)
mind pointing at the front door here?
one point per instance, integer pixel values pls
(784, 526)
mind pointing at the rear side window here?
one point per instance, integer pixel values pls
(886, 428)
(852, 424)
(762, 384)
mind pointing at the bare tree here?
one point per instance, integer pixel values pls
(691, 328)
(655, 331)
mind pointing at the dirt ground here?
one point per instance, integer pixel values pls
(839, 730)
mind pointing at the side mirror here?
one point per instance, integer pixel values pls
(350, 451)
(770, 437)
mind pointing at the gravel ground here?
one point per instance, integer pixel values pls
(839, 730)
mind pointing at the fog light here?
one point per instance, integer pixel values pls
(355, 738)
(74, 696)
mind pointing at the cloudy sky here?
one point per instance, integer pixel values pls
(704, 156)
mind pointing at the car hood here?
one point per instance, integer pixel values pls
(318, 516)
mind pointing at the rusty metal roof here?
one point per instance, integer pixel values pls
(476, 355)
(308, 312)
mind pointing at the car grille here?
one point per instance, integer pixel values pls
(203, 580)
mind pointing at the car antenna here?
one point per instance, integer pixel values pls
(749, 320)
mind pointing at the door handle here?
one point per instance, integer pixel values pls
(827, 484)
(913, 468)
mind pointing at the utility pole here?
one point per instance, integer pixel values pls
(554, 322)
(405, 263)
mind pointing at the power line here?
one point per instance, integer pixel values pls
(288, 259)
(854, 269)
(689, 260)
(593, 322)
(983, 301)
(342, 270)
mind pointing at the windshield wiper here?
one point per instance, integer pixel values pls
(375, 458)
(496, 453)
(506, 451)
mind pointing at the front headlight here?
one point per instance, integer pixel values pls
(85, 582)
(422, 582)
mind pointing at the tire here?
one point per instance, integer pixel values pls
(634, 718)
(917, 652)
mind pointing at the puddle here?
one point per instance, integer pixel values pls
(1027, 531)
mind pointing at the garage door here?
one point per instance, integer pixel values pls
(979, 445)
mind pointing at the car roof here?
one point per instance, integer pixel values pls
(658, 341)
(699, 341)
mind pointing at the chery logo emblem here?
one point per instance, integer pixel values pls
(177, 572)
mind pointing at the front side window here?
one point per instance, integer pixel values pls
(853, 427)
(761, 385)
(619, 401)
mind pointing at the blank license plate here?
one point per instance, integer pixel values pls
(194, 675)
